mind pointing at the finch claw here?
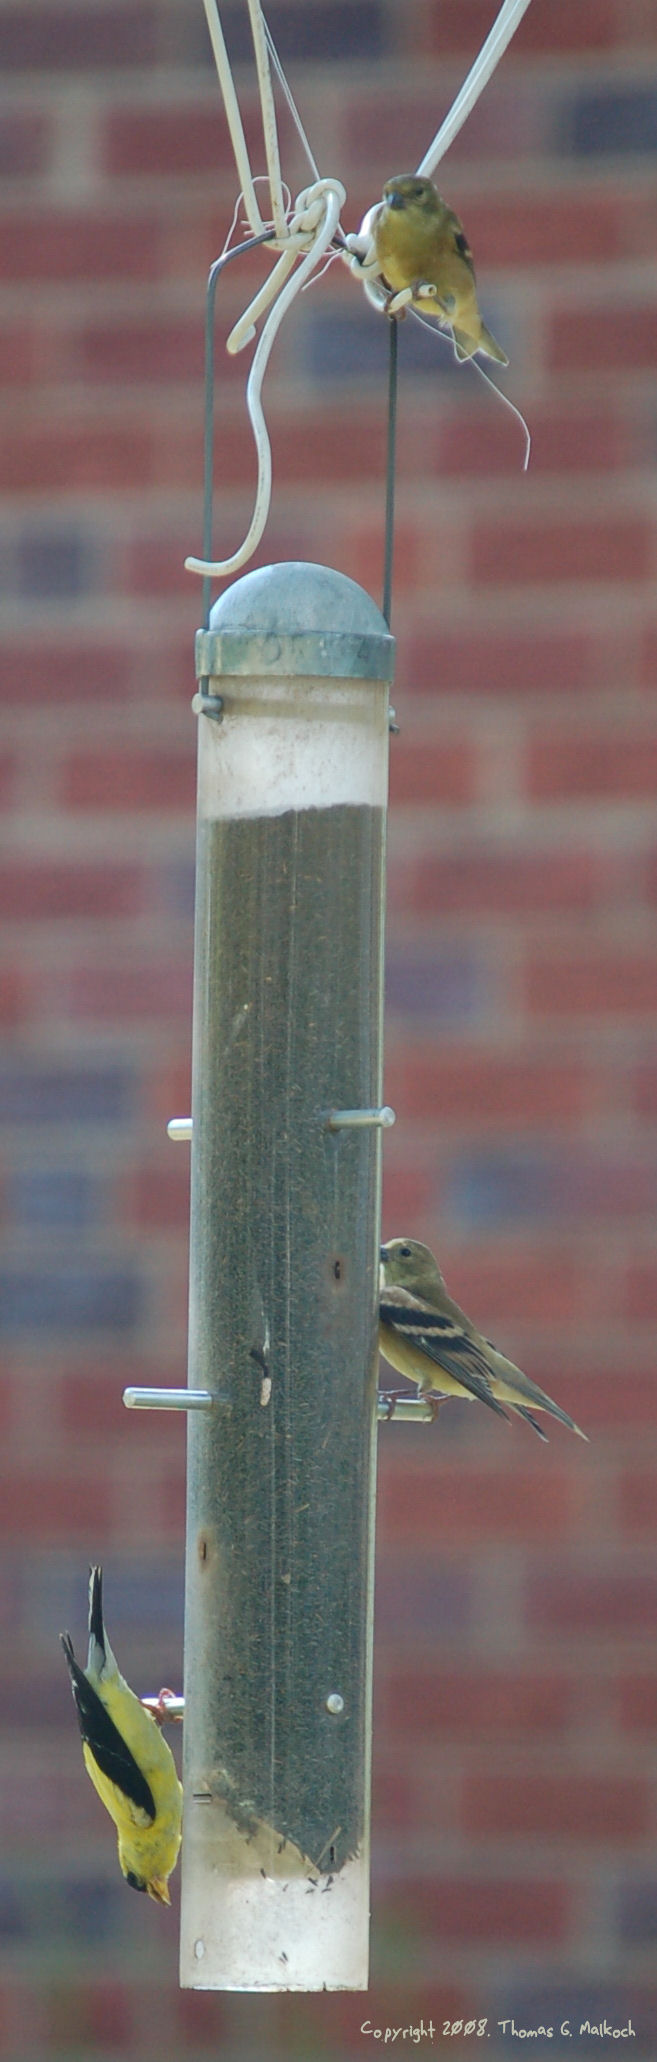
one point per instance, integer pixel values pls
(392, 1399)
(159, 1710)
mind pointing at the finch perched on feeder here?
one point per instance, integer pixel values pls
(129, 1762)
(425, 1336)
(420, 244)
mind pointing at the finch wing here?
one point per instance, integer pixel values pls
(520, 1412)
(104, 1740)
(443, 1341)
(462, 246)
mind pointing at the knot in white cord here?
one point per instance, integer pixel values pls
(310, 208)
(331, 196)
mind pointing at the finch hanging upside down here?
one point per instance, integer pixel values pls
(129, 1762)
(421, 250)
(427, 1337)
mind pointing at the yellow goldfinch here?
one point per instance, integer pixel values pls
(425, 1336)
(129, 1762)
(419, 242)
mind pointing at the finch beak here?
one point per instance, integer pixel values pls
(159, 1889)
(383, 1256)
(395, 200)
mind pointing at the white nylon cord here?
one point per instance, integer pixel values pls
(233, 116)
(492, 50)
(334, 197)
(268, 113)
(313, 225)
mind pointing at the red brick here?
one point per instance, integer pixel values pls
(638, 1296)
(157, 1197)
(63, 669)
(146, 349)
(464, 1909)
(562, 764)
(596, 548)
(507, 1705)
(44, 889)
(154, 564)
(92, 2014)
(167, 141)
(510, 120)
(496, 1283)
(36, 1803)
(421, 1504)
(628, 26)
(472, 447)
(130, 780)
(392, 1798)
(637, 1703)
(643, 1086)
(440, 772)
(609, 1604)
(567, 227)
(115, 994)
(509, 660)
(110, 2016)
(475, 1090)
(20, 355)
(591, 982)
(169, 1093)
(72, 245)
(648, 656)
(90, 1396)
(344, 444)
(201, 2020)
(6, 1400)
(171, 1499)
(506, 881)
(8, 770)
(637, 1500)
(602, 1400)
(651, 876)
(584, 25)
(16, 997)
(603, 339)
(26, 135)
(407, 1193)
(574, 1807)
(68, 456)
(579, 441)
(47, 39)
(330, 2025)
(54, 1507)
(359, 553)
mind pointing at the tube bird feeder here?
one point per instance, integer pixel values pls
(294, 671)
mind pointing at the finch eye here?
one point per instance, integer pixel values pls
(404, 1252)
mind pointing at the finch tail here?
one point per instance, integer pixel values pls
(529, 1420)
(97, 1642)
(552, 1410)
(490, 347)
(71, 1662)
(464, 345)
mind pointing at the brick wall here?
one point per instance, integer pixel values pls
(515, 1815)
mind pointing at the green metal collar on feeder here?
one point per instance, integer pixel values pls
(293, 620)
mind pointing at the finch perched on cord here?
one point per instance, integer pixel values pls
(129, 1762)
(425, 1336)
(420, 244)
